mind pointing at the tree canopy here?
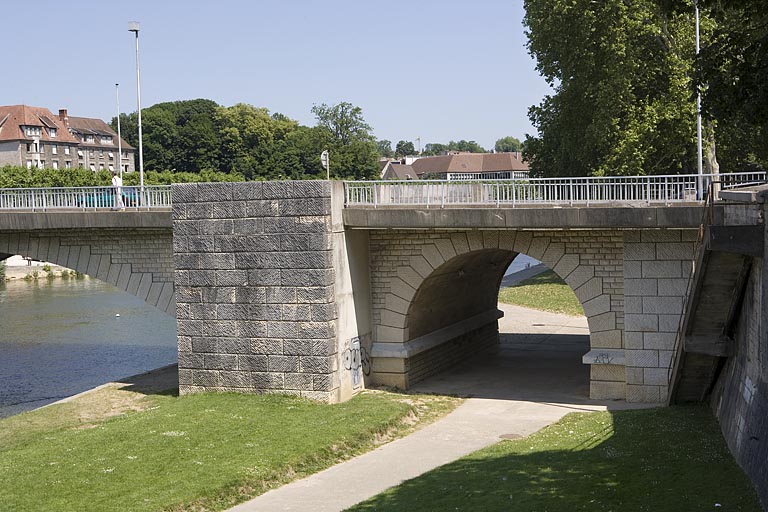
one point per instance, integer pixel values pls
(252, 143)
(404, 148)
(623, 101)
(508, 145)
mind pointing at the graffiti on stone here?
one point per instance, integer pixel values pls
(603, 358)
(356, 361)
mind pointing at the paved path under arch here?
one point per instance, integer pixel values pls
(531, 380)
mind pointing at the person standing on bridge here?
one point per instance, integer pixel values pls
(117, 183)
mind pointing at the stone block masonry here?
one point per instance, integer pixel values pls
(136, 260)
(657, 265)
(255, 288)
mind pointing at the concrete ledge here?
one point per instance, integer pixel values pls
(423, 343)
(754, 194)
(540, 217)
(604, 356)
(30, 221)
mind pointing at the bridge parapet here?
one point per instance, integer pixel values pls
(573, 191)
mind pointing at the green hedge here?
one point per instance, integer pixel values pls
(21, 177)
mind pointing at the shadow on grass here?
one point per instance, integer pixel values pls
(670, 459)
(161, 381)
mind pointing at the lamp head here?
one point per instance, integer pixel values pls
(133, 26)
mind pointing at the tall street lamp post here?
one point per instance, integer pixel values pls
(119, 135)
(700, 149)
(133, 26)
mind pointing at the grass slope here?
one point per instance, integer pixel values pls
(199, 452)
(670, 459)
(545, 292)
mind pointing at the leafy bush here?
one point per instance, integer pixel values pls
(21, 177)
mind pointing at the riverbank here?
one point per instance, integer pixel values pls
(129, 445)
(17, 267)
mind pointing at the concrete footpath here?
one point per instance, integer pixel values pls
(532, 379)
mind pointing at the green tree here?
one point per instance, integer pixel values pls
(508, 145)
(733, 76)
(622, 103)
(249, 137)
(348, 138)
(385, 148)
(404, 148)
(434, 149)
(466, 145)
(343, 121)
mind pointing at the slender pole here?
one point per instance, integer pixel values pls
(134, 27)
(119, 134)
(700, 153)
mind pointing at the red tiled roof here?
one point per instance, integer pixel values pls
(16, 116)
(470, 162)
(90, 125)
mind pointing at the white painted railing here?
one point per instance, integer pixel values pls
(85, 198)
(555, 191)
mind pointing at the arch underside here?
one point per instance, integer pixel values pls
(447, 299)
(139, 262)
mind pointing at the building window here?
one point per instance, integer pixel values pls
(101, 153)
(54, 149)
(93, 168)
(66, 150)
(101, 167)
(29, 164)
(80, 153)
(41, 164)
(52, 132)
(106, 139)
(111, 155)
(55, 164)
(89, 138)
(31, 131)
(68, 164)
(111, 167)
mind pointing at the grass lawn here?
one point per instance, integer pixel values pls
(545, 292)
(669, 459)
(199, 452)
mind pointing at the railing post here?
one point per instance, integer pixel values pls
(375, 196)
(427, 195)
(442, 198)
(514, 190)
(570, 191)
(648, 190)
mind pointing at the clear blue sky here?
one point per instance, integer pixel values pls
(439, 70)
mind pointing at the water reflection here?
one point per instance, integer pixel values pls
(60, 337)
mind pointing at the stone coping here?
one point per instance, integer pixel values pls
(31, 221)
(544, 217)
(423, 343)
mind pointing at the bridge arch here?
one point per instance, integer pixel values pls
(138, 261)
(439, 305)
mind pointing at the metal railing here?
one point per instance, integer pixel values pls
(539, 191)
(85, 198)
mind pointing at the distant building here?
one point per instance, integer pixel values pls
(394, 170)
(34, 137)
(464, 166)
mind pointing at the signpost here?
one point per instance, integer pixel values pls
(326, 164)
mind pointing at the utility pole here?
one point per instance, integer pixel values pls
(133, 26)
(700, 152)
(119, 135)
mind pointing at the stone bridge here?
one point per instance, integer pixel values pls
(280, 288)
(131, 250)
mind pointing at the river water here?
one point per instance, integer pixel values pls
(60, 337)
